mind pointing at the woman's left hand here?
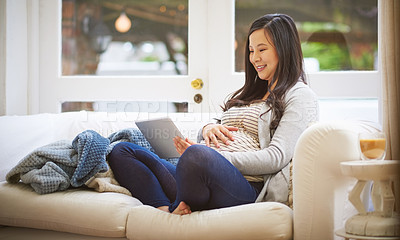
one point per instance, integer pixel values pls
(181, 144)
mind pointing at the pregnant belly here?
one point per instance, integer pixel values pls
(243, 142)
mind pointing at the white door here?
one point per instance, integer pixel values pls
(55, 88)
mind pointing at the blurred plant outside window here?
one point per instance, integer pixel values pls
(336, 35)
(124, 37)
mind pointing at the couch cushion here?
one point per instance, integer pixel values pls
(76, 210)
(19, 135)
(256, 221)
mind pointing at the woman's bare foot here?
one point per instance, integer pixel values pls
(164, 208)
(182, 209)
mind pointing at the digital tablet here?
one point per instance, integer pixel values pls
(159, 133)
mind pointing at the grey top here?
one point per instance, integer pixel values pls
(272, 161)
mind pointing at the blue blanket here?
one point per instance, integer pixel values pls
(59, 165)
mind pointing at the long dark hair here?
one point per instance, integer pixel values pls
(283, 33)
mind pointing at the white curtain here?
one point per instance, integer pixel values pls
(389, 47)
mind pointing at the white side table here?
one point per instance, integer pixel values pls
(383, 221)
(342, 233)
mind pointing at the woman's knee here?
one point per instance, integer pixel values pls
(120, 147)
(119, 150)
(195, 158)
(194, 153)
(199, 150)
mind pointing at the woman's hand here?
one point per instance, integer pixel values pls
(212, 132)
(181, 144)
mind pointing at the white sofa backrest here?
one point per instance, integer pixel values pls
(19, 135)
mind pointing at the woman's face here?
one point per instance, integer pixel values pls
(263, 54)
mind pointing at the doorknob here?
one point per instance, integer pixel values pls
(198, 98)
(197, 83)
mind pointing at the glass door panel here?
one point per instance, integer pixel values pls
(336, 35)
(120, 37)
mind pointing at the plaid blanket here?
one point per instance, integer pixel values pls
(59, 165)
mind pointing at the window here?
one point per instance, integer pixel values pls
(119, 37)
(125, 106)
(336, 35)
(339, 42)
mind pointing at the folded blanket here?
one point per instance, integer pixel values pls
(47, 169)
(57, 166)
(105, 182)
(92, 150)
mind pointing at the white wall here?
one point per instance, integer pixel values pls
(2, 57)
(14, 69)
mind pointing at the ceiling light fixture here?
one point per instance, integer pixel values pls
(123, 23)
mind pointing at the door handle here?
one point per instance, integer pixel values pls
(197, 83)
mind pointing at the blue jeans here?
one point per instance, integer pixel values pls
(203, 178)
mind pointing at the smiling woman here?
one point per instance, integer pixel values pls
(263, 54)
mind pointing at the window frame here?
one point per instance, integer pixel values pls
(326, 84)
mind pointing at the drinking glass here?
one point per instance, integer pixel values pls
(372, 145)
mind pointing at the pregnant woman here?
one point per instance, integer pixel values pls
(245, 156)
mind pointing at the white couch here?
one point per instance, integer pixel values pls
(319, 189)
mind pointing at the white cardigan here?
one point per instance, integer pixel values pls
(272, 161)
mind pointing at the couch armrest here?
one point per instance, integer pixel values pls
(320, 191)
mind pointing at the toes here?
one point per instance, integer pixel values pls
(182, 209)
